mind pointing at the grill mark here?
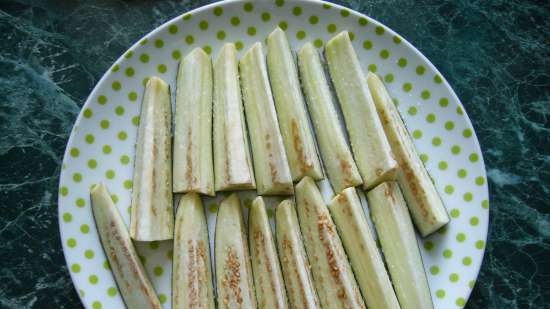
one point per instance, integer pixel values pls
(304, 161)
(189, 161)
(345, 168)
(289, 254)
(231, 281)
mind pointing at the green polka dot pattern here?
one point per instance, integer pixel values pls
(101, 146)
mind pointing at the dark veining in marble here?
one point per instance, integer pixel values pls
(495, 54)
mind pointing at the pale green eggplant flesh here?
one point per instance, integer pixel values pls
(427, 209)
(370, 147)
(332, 274)
(191, 272)
(234, 279)
(337, 158)
(270, 161)
(399, 245)
(366, 261)
(152, 215)
(296, 272)
(232, 162)
(291, 111)
(193, 167)
(268, 279)
(132, 281)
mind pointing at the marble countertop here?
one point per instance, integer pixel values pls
(495, 54)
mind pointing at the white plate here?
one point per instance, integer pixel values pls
(101, 145)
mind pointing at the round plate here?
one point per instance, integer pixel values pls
(101, 145)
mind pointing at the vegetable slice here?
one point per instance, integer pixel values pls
(339, 164)
(291, 110)
(368, 141)
(232, 162)
(268, 280)
(424, 202)
(134, 286)
(297, 275)
(193, 167)
(191, 273)
(233, 271)
(396, 233)
(332, 273)
(366, 261)
(152, 215)
(270, 161)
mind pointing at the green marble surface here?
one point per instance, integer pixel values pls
(495, 54)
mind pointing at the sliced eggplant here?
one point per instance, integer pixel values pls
(366, 261)
(396, 234)
(371, 149)
(191, 272)
(193, 166)
(296, 272)
(268, 279)
(424, 202)
(268, 153)
(232, 162)
(337, 158)
(152, 214)
(132, 281)
(234, 279)
(332, 273)
(291, 111)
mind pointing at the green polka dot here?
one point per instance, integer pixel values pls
(467, 261)
(77, 177)
(189, 39)
(480, 244)
(438, 79)
(116, 85)
(434, 270)
(84, 228)
(372, 68)
(71, 242)
(135, 120)
(362, 21)
(461, 302)
(318, 43)
(313, 20)
(473, 157)
(428, 245)
(251, 31)
(114, 197)
(388, 78)
(143, 259)
(454, 277)
(331, 28)
(158, 271)
(460, 237)
(447, 253)
(92, 163)
(467, 133)
(173, 29)
(88, 113)
(115, 68)
(424, 157)
(64, 191)
(283, 25)
(129, 72)
(474, 221)
(402, 62)
(128, 184)
(235, 21)
(270, 213)
(471, 284)
(327, 6)
(449, 189)
(74, 152)
(384, 54)
(93, 279)
(143, 42)
(266, 16)
(218, 11)
(107, 149)
(425, 94)
(89, 254)
(455, 213)
(443, 165)
(247, 203)
(462, 173)
(220, 35)
(144, 58)
(124, 159)
(379, 30)
(367, 44)
(213, 208)
(106, 265)
(102, 99)
(170, 254)
(407, 87)
(485, 204)
(248, 7)
(176, 54)
(122, 135)
(207, 49)
(396, 39)
(110, 174)
(239, 45)
(300, 35)
(161, 68)
(449, 125)
(420, 70)
(104, 124)
(96, 305)
(162, 298)
(187, 16)
(67, 217)
(431, 118)
(280, 3)
(75, 268)
(436, 141)
(455, 149)
(203, 25)
(344, 13)
(80, 202)
(119, 110)
(112, 291)
(459, 111)
(443, 102)
(297, 11)
(412, 110)
(154, 245)
(417, 134)
(159, 43)
(440, 294)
